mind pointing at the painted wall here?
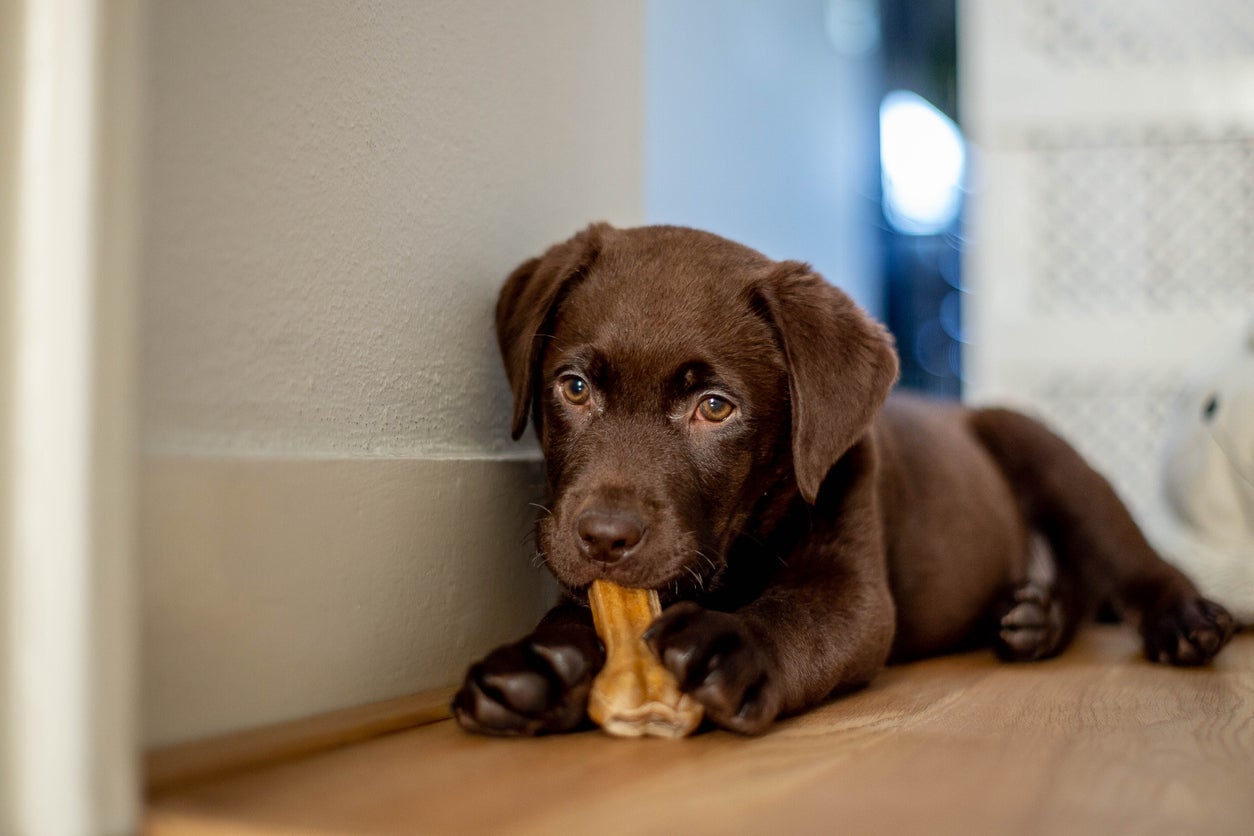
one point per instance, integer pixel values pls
(337, 189)
(761, 127)
(334, 193)
(1110, 249)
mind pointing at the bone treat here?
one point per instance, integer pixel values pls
(634, 695)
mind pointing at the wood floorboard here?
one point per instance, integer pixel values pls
(1096, 741)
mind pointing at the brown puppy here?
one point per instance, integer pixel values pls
(714, 426)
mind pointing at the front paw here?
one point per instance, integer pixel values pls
(535, 686)
(1190, 631)
(719, 663)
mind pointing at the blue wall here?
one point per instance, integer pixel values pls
(759, 129)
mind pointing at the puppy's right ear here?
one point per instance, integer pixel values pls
(525, 310)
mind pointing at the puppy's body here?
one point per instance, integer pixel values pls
(953, 534)
(714, 426)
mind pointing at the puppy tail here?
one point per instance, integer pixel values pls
(1091, 532)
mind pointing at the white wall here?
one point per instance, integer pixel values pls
(335, 192)
(1110, 227)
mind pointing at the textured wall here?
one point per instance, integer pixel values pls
(1109, 235)
(336, 191)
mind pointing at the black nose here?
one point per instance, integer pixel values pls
(607, 536)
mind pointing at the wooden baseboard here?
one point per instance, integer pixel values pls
(170, 767)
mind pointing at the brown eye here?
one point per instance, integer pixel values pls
(716, 409)
(575, 389)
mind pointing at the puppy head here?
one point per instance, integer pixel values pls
(678, 383)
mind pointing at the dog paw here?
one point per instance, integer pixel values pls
(719, 663)
(1030, 625)
(1188, 632)
(528, 688)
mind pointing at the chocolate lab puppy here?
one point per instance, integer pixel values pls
(716, 426)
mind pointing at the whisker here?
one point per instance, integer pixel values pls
(541, 507)
(532, 535)
(696, 577)
(705, 558)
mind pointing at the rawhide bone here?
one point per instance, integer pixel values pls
(634, 695)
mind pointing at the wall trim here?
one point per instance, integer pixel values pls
(275, 589)
(170, 767)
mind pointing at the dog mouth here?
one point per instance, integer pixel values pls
(682, 577)
(685, 585)
(675, 563)
(690, 575)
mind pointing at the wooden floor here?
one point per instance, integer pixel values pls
(1097, 741)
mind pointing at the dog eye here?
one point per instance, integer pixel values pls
(1211, 407)
(716, 409)
(575, 389)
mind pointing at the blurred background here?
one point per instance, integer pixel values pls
(824, 131)
(251, 252)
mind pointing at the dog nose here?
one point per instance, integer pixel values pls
(607, 536)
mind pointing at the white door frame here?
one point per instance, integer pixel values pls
(69, 106)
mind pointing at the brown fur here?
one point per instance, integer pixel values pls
(817, 532)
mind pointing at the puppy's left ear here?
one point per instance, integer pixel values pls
(841, 364)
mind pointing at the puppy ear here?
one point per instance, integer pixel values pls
(841, 364)
(525, 310)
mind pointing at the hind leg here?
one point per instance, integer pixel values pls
(1037, 618)
(1032, 624)
(1091, 531)
(1179, 626)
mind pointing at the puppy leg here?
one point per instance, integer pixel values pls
(1096, 540)
(539, 685)
(824, 623)
(1031, 624)
(1037, 618)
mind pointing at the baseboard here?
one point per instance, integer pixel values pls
(171, 767)
(274, 589)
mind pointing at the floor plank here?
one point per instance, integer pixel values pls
(1097, 741)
